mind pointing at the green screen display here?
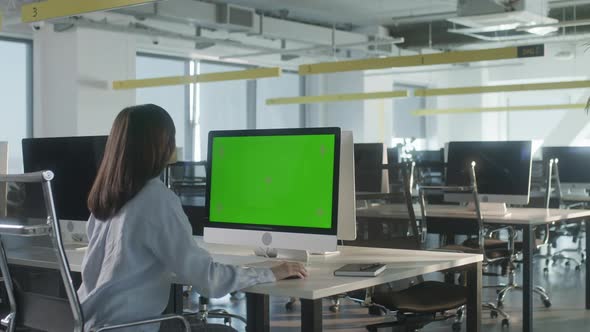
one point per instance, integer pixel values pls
(273, 180)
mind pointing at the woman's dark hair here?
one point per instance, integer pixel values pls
(138, 149)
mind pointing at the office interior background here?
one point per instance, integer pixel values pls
(59, 76)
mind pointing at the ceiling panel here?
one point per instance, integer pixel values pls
(356, 12)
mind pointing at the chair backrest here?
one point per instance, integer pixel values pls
(553, 189)
(471, 189)
(400, 232)
(50, 227)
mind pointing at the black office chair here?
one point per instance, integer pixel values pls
(415, 302)
(553, 199)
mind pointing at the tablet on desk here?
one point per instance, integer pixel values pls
(360, 270)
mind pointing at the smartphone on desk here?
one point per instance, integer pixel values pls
(360, 270)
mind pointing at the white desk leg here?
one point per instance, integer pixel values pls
(257, 312)
(528, 241)
(474, 286)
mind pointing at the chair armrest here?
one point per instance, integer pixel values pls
(187, 326)
(510, 229)
(511, 236)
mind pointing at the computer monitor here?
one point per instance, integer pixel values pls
(74, 161)
(346, 192)
(503, 170)
(187, 179)
(428, 156)
(274, 188)
(573, 166)
(370, 177)
(393, 155)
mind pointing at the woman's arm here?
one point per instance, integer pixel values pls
(171, 241)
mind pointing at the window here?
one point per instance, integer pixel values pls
(277, 116)
(16, 101)
(173, 99)
(222, 105)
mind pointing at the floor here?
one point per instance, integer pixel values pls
(567, 313)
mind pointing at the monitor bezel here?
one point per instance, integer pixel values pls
(492, 198)
(276, 132)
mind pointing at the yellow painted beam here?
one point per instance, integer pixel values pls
(336, 98)
(502, 88)
(48, 9)
(556, 107)
(423, 60)
(248, 74)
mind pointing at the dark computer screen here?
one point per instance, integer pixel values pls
(502, 168)
(74, 161)
(368, 167)
(428, 156)
(574, 162)
(392, 156)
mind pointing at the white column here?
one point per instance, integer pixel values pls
(73, 71)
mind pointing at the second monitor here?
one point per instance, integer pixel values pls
(503, 170)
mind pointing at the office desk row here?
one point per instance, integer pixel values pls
(321, 283)
(524, 219)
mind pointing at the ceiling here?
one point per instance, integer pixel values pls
(355, 12)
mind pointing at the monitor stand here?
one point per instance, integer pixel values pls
(285, 254)
(494, 209)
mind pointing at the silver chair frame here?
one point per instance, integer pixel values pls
(52, 224)
(494, 309)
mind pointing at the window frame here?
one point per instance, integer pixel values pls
(188, 126)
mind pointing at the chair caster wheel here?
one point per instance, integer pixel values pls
(567, 264)
(546, 303)
(493, 314)
(547, 261)
(227, 321)
(500, 304)
(578, 267)
(497, 291)
(376, 311)
(456, 326)
(505, 323)
(334, 308)
(289, 306)
(545, 270)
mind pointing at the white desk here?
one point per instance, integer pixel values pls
(521, 218)
(321, 282)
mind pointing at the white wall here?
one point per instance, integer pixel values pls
(72, 75)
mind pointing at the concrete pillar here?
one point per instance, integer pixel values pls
(73, 71)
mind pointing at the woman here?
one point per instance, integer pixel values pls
(139, 235)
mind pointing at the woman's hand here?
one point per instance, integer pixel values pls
(289, 269)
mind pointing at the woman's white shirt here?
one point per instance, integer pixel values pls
(132, 258)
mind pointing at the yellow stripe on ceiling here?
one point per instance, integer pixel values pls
(336, 98)
(248, 74)
(48, 9)
(556, 107)
(502, 88)
(423, 60)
